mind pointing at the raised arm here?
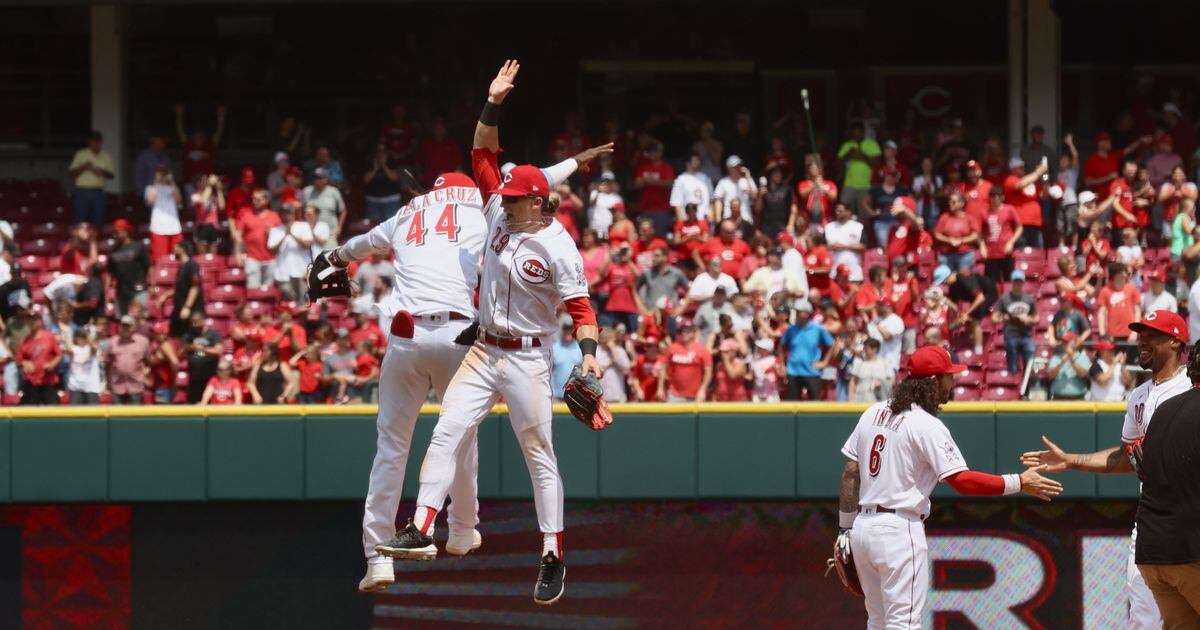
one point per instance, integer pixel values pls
(487, 131)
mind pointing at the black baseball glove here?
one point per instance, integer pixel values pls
(326, 280)
(585, 399)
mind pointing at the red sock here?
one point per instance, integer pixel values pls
(553, 542)
(423, 518)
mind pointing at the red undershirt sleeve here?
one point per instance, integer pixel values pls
(974, 483)
(581, 312)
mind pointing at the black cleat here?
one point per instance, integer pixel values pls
(409, 544)
(549, 585)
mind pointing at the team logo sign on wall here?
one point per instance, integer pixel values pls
(532, 269)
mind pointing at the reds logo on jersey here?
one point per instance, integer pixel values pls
(532, 269)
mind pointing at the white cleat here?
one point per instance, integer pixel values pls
(464, 544)
(380, 575)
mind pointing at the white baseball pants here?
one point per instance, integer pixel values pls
(523, 378)
(891, 558)
(410, 367)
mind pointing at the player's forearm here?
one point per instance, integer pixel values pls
(848, 495)
(587, 332)
(487, 130)
(561, 171)
(1111, 460)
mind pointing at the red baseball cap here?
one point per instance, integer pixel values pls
(287, 307)
(972, 164)
(1102, 136)
(1166, 322)
(1159, 274)
(1073, 298)
(1068, 336)
(907, 202)
(247, 175)
(1105, 344)
(292, 170)
(842, 270)
(160, 328)
(453, 180)
(932, 361)
(891, 169)
(785, 237)
(122, 224)
(522, 180)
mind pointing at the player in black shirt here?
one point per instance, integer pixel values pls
(1168, 516)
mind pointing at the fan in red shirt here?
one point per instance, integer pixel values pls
(728, 247)
(244, 359)
(245, 324)
(691, 233)
(38, 356)
(309, 366)
(1022, 191)
(905, 237)
(815, 194)
(869, 293)
(1128, 211)
(289, 344)
(366, 366)
(643, 248)
(976, 190)
(644, 375)
(439, 154)
(241, 198)
(901, 288)
(1001, 230)
(198, 149)
(399, 134)
(956, 235)
(689, 367)
(222, 389)
(843, 291)
(889, 161)
(80, 252)
(368, 328)
(654, 178)
(818, 262)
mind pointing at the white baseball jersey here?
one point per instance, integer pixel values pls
(1145, 399)
(526, 276)
(905, 456)
(437, 240)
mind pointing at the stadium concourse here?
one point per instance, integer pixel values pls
(717, 276)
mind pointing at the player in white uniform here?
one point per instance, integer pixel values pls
(531, 266)
(897, 453)
(1162, 336)
(437, 242)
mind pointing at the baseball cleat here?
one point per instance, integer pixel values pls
(409, 544)
(549, 587)
(380, 575)
(462, 545)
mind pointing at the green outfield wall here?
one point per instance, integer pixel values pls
(652, 451)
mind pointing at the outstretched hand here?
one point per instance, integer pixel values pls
(1053, 459)
(504, 82)
(1038, 486)
(586, 157)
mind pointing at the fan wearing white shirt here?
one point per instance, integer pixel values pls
(291, 242)
(1158, 298)
(888, 328)
(843, 236)
(705, 284)
(164, 199)
(320, 230)
(737, 184)
(602, 202)
(692, 186)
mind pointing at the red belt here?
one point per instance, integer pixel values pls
(508, 343)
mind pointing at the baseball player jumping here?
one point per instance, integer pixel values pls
(906, 450)
(437, 239)
(531, 266)
(1162, 336)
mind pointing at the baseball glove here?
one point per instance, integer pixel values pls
(585, 399)
(1133, 451)
(844, 564)
(326, 280)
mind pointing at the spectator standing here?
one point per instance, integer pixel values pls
(383, 186)
(1110, 376)
(882, 198)
(727, 247)
(844, 237)
(957, 235)
(208, 205)
(199, 151)
(83, 378)
(710, 151)
(327, 199)
(648, 365)
(89, 298)
(148, 161)
(128, 358)
(39, 355)
(643, 248)
(978, 191)
(774, 278)
(705, 285)
(91, 168)
(1002, 230)
(602, 203)
(320, 231)
(1067, 180)
(286, 332)
(1037, 151)
(366, 373)
(203, 347)
(1171, 195)
(339, 369)
(689, 369)
(1022, 191)
(738, 184)
(1068, 370)
(978, 292)
(888, 328)
(860, 156)
(1163, 161)
(614, 360)
(1118, 305)
(744, 141)
(277, 181)
(901, 287)
(16, 294)
(707, 318)
(187, 293)
(871, 377)
(1068, 320)
(623, 305)
(164, 198)
(1129, 210)
(309, 368)
(766, 370)
(1072, 282)
(323, 160)
(290, 243)
(1017, 311)
(775, 203)
(1158, 298)
(663, 281)
(730, 373)
(692, 186)
(128, 266)
(926, 187)
(655, 178)
(251, 231)
(80, 252)
(815, 197)
(690, 235)
(907, 237)
(438, 154)
(1100, 169)
(164, 364)
(241, 198)
(806, 343)
(271, 382)
(222, 388)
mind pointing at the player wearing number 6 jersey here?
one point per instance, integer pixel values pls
(437, 241)
(1162, 336)
(897, 453)
(531, 267)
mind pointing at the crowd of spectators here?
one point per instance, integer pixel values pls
(722, 267)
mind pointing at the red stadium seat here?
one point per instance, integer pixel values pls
(39, 247)
(1028, 253)
(338, 308)
(966, 394)
(219, 310)
(222, 326)
(1047, 305)
(258, 308)
(232, 275)
(48, 230)
(42, 279)
(263, 294)
(1048, 289)
(996, 360)
(226, 293)
(1001, 394)
(874, 257)
(970, 378)
(165, 276)
(1003, 378)
(213, 261)
(33, 264)
(1033, 267)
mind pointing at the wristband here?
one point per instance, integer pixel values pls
(1012, 483)
(846, 519)
(491, 114)
(588, 346)
(336, 260)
